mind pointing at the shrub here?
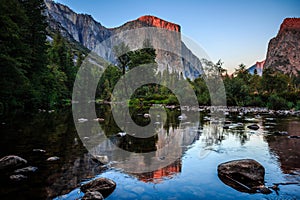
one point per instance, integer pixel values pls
(297, 107)
(277, 103)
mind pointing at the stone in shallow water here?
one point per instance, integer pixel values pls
(89, 195)
(103, 185)
(39, 150)
(253, 127)
(25, 170)
(244, 175)
(11, 162)
(281, 133)
(54, 158)
(17, 177)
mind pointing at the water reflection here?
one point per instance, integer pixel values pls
(160, 175)
(285, 147)
(55, 133)
(137, 155)
(193, 149)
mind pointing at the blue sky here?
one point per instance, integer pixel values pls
(235, 31)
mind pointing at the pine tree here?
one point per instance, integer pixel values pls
(14, 84)
(36, 34)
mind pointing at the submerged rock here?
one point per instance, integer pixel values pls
(121, 134)
(11, 162)
(147, 115)
(295, 136)
(253, 127)
(99, 120)
(17, 177)
(25, 170)
(281, 133)
(53, 158)
(244, 175)
(39, 150)
(103, 185)
(94, 195)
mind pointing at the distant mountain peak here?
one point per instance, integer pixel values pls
(258, 66)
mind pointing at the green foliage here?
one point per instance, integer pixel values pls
(201, 91)
(277, 103)
(297, 107)
(15, 69)
(172, 100)
(274, 89)
(122, 52)
(107, 82)
(34, 73)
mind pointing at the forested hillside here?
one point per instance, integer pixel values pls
(38, 67)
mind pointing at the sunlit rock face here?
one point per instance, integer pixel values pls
(159, 23)
(290, 24)
(91, 34)
(283, 51)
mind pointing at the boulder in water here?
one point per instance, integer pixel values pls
(103, 185)
(11, 162)
(244, 175)
(253, 127)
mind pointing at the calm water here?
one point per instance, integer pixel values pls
(202, 144)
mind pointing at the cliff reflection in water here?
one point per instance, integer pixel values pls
(139, 155)
(158, 157)
(287, 149)
(159, 175)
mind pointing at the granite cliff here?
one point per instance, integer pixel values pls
(283, 50)
(91, 34)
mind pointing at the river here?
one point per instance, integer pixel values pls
(190, 172)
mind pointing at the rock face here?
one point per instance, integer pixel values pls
(84, 29)
(156, 22)
(283, 50)
(244, 175)
(103, 185)
(11, 162)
